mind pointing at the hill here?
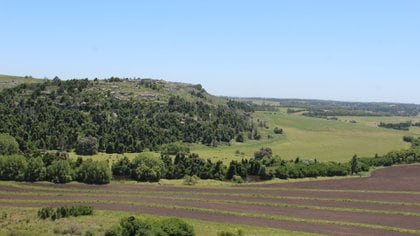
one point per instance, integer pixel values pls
(7, 81)
(123, 115)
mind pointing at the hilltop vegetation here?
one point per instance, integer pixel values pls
(7, 81)
(123, 115)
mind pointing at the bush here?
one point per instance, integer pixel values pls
(168, 227)
(190, 180)
(8, 145)
(147, 168)
(36, 170)
(114, 231)
(176, 227)
(240, 138)
(60, 172)
(278, 130)
(87, 146)
(12, 167)
(175, 148)
(122, 167)
(237, 179)
(93, 172)
(64, 211)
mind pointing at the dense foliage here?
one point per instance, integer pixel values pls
(8, 145)
(58, 115)
(399, 126)
(130, 226)
(56, 168)
(64, 212)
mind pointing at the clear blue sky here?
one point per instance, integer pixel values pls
(343, 50)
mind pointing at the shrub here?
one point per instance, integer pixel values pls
(278, 130)
(12, 167)
(8, 145)
(237, 179)
(64, 211)
(147, 168)
(60, 172)
(131, 226)
(93, 172)
(176, 227)
(190, 180)
(175, 148)
(87, 146)
(36, 170)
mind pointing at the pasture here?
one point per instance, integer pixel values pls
(387, 203)
(309, 138)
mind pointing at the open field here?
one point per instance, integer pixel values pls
(387, 203)
(308, 137)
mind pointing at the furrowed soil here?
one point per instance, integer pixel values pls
(387, 203)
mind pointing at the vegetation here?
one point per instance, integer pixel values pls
(399, 126)
(63, 115)
(64, 211)
(131, 226)
(8, 145)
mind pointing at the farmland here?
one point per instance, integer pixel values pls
(387, 203)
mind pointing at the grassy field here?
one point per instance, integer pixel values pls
(23, 221)
(308, 137)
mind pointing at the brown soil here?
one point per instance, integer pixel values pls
(400, 178)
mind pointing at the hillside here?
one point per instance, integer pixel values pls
(124, 115)
(7, 81)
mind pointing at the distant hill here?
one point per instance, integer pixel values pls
(7, 81)
(324, 108)
(124, 115)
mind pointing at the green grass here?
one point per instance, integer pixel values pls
(231, 213)
(309, 138)
(23, 221)
(7, 81)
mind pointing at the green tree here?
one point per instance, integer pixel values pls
(12, 167)
(60, 172)
(8, 145)
(36, 170)
(354, 165)
(87, 146)
(94, 172)
(146, 167)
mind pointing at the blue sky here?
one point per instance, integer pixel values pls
(341, 50)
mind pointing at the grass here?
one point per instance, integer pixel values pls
(309, 138)
(231, 213)
(23, 221)
(7, 81)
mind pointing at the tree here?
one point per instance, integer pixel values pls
(8, 145)
(354, 165)
(87, 146)
(60, 172)
(12, 167)
(278, 130)
(146, 167)
(240, 138)
(94, 172)
(36, 170)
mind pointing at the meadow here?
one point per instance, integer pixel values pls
(309, 138)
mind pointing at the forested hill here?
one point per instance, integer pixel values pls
(123, 115)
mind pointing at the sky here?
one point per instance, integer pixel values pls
(350, 50)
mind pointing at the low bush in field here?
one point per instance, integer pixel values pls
(64, 211)
(167, 227)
